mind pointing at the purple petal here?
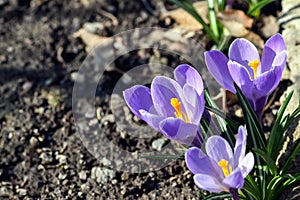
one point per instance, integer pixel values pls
(163, 89)
(241, 76)
(243, 52)
(152, 120)
(216, 63)
(280, 60)
(217, 148)
(265, 84)
(209, 183)
(240, 146)
(273, 46)
(195, 103)
(138, 97)
(178, 130)
(247, 164)
(185, 74)
(234, 180)
(258, 106)
(198, 162)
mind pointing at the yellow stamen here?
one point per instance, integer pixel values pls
(178, 113)
(224, 165)
(254, 65)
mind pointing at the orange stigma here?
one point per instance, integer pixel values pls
(178, 113)
(254, 65)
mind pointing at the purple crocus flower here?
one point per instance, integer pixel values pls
(256, 78)
(220, 169)
(173, 107)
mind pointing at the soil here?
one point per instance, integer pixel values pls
(42, 156)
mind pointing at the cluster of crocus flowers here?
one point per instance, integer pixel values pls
(219, 168)
(257, 78)
(173, 107)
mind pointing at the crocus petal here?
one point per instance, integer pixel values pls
(243, 52)
(216, 63)
(265, 84)
(195, 103)
(217, 148)
(198, 162)
(280, 60)
(138, 97)
(178, 130)
(163, 89)
(234, 180)
(241, 76)
(185, 74)
(209, 183)
(152, 120)
(240, 146)
(246, 165)
(273, 46)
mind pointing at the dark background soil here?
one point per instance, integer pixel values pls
(41, 156)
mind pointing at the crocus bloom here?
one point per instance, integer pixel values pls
(173, 107)
(220, 169)
(256, 78)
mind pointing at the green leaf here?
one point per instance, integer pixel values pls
(250, 186)
(258, 6)
(221, 4)
(222, 123)
(291, 157)
(257, 139)
(269, 161)
(280, 126)
(213, 23)
(254, 129)
(229, 120)
(275, 186)
(188, 7)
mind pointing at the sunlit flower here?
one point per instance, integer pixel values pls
(220, 169)
(257, 78)
(173, 107)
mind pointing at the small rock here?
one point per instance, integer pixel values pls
(124, 176)
(109, 118)
(75, 76)
(105, 161)
(82, 175)
(4, 191)
(239, 112)
(46, 157)
(158, 144)
(27, 86)
(21, 192)
(102, 175)
(93, 27)
(62, 159)
(62, 176)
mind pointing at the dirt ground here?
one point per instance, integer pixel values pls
(41, 155)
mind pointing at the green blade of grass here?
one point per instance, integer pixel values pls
(222, 123)
(258, 6)
(254, 128)
(291, 157)
(270, 162)
(276, 134)
(213, 23)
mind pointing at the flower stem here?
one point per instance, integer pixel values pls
(234, 193)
